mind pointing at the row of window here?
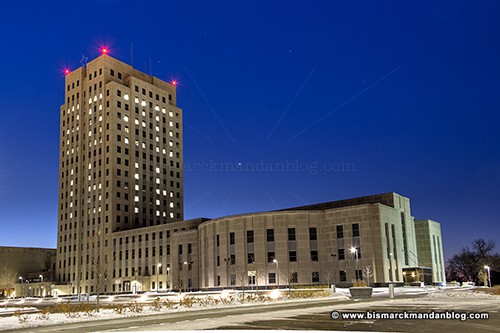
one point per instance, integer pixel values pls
(313, 235)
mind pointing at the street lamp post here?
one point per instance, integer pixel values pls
(489, 276)
(227, 260)
(355, 251)
(333, 268)
(22, 286)
(277, 271)
(157, 273)
(168, 284)
(41, 277)
(391, 285)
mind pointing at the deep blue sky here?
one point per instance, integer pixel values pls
(406, 91)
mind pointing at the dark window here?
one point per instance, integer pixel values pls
(314, 255)
(343, 276)
(231, 238)
(270, 256)
(272, 277)
(292, 256)
(312, 234)
(341, 254)
(315, 277)
(340, 231)
(249, 236)
(291, 234)
(270, 235)
(294, 277)
(355, 230)
(251, 258)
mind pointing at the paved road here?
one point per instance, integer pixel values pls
(318, 318)
(142, 323)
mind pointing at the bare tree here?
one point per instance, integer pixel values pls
(466, 265)
(367, 274)
(328, 276)
(8, 277)
(99, 269)
(241, 274)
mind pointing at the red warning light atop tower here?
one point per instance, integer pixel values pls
(66, 71)
(174, 82)
(104, 50)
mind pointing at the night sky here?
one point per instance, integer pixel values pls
(405, 92)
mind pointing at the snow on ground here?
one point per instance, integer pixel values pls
(436, 298)
(37, 319)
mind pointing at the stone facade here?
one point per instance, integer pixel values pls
(121, 228)
(120, 165)
(21, 268)
(430, 248)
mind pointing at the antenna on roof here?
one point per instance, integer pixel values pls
(84, 60)
(131, 55)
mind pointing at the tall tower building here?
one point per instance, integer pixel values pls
(120, 165)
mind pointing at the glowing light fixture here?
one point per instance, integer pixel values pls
(67, 71)
(104, 50)
(174, 82)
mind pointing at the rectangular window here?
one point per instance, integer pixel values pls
(312, 234)
(292, 256)
(291, 234)
(343, 276)
(270, 235)
(314, 255)
(340, 231)
(272, 277)
(249, 236)
(294, 277)
(251, 258)
(341, 254)
(315, 277)
(355, 230)
(231, 238)
(270, 256)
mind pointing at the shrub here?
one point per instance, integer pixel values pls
(43, 316)
(359, 283)
(226, 300)
(119, 309)
(135, 307)
(169, 304)
(156, 305)
(187, 301)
